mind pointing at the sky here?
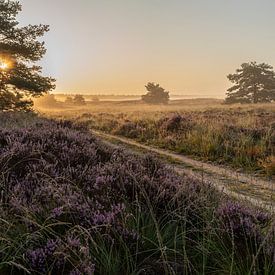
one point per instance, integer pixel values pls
(117, 46)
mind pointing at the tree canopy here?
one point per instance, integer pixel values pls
(155, 95)
(79, 100)
(20, 49)
(253, 83)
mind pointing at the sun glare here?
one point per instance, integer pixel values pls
(3, 65)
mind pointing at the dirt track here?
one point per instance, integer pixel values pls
(246, 187)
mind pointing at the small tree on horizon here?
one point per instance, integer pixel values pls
(155, 95)
(20, 78)
(79, 100)
(253, 83)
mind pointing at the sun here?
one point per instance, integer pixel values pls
(3, 65)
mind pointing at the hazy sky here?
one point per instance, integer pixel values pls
(188, 46)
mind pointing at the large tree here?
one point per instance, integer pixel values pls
(155, 94)
(20, 49)
(253, 83)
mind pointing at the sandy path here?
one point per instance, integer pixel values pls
(246, 187)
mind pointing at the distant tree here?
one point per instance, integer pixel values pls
(47, 100)
(79, 100)
(155, 95)
(253, 83)
(20, 79)
(69, 100)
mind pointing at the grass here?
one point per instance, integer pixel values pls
(240, 136)
(168, 224)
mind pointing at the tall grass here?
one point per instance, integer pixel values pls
(237, 137)
(69, 204)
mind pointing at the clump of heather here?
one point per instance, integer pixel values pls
(71, 204)
(244, 223)
(54, 173)
(241, 220)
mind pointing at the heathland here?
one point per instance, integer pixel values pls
(73, 204)
(240, 136)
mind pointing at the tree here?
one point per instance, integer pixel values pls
(155, 95)
(253, 83)
(20, 78)
(79, 100)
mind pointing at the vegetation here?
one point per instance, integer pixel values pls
(70, 204)
(253, 83)
(19, 50)
(243, 137)
(79, 100)
(155, 95)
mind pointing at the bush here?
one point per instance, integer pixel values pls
(79, 100)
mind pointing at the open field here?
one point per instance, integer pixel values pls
(71, 203)
(240, 136)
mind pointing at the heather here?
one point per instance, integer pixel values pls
(72, 204)
(241, 137)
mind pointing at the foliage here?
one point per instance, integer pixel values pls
(253, 83)
(70, 204)
(19, 50)
(156, 94)
(79, 100)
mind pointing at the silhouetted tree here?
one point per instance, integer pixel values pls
(20, 79)
(253, 83)
(69, 100)
(155, 95)
(79, 100)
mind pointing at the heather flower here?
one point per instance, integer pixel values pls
(38, 258)
(63, 178)
(243, 222)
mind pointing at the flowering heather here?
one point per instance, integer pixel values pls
(70, 204)
(238, 137)
(242, 220)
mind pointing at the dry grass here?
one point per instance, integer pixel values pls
(242, 136)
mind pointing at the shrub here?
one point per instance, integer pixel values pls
(269, 165)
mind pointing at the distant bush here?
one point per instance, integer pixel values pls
(128, 129)
(176, 123)
(79, 100)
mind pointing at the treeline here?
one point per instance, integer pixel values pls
(49, 100)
